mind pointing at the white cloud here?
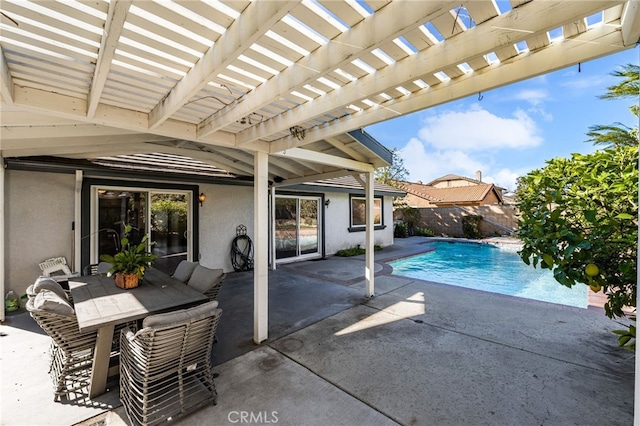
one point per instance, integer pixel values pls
(586, 82)
(534, 97)
(425, 166)
(478, 129)
(504, 178)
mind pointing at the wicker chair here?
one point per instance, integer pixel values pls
(165, 367)
(207, 281)
(96, 268)
(71, 351)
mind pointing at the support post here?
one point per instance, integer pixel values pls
(369, 260)
(272, 233)
(2, 235)
(77, 222)
(261, 245)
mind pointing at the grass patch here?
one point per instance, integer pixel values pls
(355, 251)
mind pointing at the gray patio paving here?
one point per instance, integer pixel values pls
(418, 353)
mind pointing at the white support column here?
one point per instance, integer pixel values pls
(261, 245)
(272, 234)
(77, 219)
(2, 236)
(369, 270)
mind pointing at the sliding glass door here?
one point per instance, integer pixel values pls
(297, 227)
(170, 228)
(163, 215)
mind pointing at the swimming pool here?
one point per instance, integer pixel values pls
(496, 269)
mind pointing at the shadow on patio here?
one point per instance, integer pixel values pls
(417, 353)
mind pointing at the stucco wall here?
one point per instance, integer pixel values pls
(39, 214)
(40, 209)
(226, 207)
(337, 225)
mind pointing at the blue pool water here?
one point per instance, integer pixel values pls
(489, 268)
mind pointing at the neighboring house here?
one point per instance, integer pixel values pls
(452, 190)
(311, 220)
(445, 202)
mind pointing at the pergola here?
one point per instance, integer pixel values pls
(270, 89)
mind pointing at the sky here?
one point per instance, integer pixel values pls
(511, 130)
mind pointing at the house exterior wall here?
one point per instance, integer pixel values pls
(337, 222)
(453, 183)
(491, 198)
(225, 208)
(39, 209)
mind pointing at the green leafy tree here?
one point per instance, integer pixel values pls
(393, 175)
(579, 216)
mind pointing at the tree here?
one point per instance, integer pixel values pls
(579, 215)
(618, 134)
(393, 175)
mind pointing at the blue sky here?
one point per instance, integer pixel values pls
(513, 129)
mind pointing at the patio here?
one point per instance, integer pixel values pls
(417, 353)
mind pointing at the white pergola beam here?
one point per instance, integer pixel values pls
(116, 17)
(346, 149)
(17, 137)
(321, 158)
(631, 23)
(86, 151)
(362, 38)
(255, 21)
(593, 44)
(71, 108)
(6, 81)
(505, 30)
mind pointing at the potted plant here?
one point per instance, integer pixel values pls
(130, 263)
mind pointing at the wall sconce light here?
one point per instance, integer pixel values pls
(327, 202)
(201, 198)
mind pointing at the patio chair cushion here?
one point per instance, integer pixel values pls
(204, 278)
(183, 315)
(30, 293)
(184, 270)
(50, 301)
(45, 283)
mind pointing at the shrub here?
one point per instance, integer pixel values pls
(400, 230)
(355, 251)
(471, 227)
(424, 232)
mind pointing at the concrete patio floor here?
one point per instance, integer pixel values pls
(419, 353)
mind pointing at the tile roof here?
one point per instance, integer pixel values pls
(452, 195)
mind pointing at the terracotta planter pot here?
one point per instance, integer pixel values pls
(126, 281)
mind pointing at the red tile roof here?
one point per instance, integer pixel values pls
(452, 195)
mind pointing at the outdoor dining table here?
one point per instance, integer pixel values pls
(100, 305)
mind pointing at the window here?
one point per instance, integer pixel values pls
(358, 213)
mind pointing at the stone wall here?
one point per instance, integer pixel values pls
(447, 221)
